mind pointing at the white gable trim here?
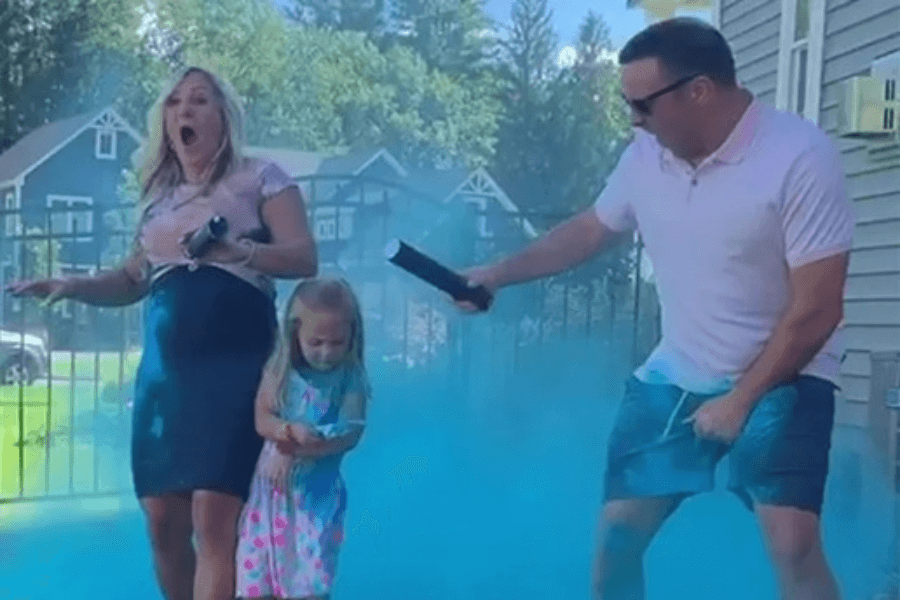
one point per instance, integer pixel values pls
(498, 193)
(383, 153)
(90, 124)
(18, 182)
(110, 119)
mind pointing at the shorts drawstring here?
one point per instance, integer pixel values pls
(674, 414)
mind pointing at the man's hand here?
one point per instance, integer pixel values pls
(483, 276)
(721, 419)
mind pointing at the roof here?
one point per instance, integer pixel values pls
(356, 161)
(296, 163)
(438, 183)
(39, 143)
(42, 142)
(299, 163)
(445, 184)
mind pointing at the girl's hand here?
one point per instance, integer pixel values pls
(48, 290)
(301, 441)
(276, 468)
(302, 435)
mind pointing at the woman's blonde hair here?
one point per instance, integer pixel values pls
(320, 293)
(160, 171)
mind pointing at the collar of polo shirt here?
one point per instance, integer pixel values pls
(733, 150)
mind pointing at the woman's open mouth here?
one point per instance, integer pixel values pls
(188, 136)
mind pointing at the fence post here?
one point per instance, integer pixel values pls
(635, 349)
(462, 342)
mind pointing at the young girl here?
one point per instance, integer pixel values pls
(311, 409)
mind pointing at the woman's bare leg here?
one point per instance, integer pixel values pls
(170, 526)
(215, 517)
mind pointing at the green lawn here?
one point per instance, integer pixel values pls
(87, 449)
(87, 364)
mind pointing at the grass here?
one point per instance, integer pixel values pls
(90, 364)
(87, 448)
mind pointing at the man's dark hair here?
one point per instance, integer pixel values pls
(684, 46)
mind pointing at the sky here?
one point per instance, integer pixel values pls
(568, 14)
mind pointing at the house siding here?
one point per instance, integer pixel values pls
(75, 171)
(752, 28)
(856, 33)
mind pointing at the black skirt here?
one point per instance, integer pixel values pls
(208, 335)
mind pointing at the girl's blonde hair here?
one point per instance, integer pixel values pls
(320, 293)
(160, 171)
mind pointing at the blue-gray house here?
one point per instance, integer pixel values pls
(59, 180)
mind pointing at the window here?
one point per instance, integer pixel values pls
(345, 222)
(800, 57)
(105, 144)
(71, 214)
(325, 223)
(481, 217)
(13, 221)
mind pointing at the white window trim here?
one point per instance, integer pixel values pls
(11, 203)
(71, 201)
(77, 268)
(815, 42)
(717, 14)
(101, 131)
(325, 217)
(481, 218)
(345, 217)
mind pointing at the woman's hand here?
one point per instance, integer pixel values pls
(47, 290)
(223, 251)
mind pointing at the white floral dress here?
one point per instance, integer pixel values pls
(290, 539)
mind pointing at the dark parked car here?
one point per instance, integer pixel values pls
(23, 358)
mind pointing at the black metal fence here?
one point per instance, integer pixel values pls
(68, 369)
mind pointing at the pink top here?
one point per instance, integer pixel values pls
(238, 198)
(723, 237)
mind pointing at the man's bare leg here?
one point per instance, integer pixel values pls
(626, 529)
(795, 546)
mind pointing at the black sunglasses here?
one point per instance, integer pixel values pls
(644, 106)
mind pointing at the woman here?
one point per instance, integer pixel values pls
(210, 326)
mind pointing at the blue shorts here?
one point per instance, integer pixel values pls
(780, 458)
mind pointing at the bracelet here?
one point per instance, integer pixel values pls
(251, 245)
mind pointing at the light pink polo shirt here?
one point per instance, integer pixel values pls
(722, 238)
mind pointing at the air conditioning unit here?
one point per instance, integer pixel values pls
(868, 107)
(887, 69)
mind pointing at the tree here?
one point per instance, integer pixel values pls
(521, 162)
(39, 62)
(392, 98)
(562, 132)
(452, 36)
(589, 124)
(363, 16)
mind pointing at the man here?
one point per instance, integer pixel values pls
(744, 213)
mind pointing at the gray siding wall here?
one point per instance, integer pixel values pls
(856, 33)
(752, 27)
